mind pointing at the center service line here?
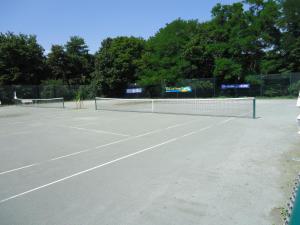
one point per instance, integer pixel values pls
(97, 147)
(96, 131)
(113, 161)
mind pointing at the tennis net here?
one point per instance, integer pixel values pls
(43, 103)
(233, 107)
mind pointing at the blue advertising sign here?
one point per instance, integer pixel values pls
(134, 90)
(178, 89)
(235, 86)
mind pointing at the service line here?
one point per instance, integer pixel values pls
(98, 147)
(113, 161)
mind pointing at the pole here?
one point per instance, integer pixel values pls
(152, 105)
(254, 108)
(95, 104)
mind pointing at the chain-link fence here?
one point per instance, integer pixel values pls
(259, 85)
(46, 91)
(274, 85)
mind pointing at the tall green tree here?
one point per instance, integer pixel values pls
(116, 64)
(57, 62)
(164, 60)
(21, 59)
(237, 42)
(291, 34)
(79, 61)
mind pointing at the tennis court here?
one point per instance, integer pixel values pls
(66, 166)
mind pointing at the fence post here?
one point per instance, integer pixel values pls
(254, 108)
(290, 81)
(214, 87)
(152, 105)
(261, 85)
(95, 103)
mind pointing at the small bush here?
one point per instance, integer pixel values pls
(272, 92)
(254, 80)
(294, 89)
(54, 89)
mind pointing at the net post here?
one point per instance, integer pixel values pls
(95, 103)
(63, 101)
(254, 108)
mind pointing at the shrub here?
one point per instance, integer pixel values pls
(272, 92)
(55, 89)
(294, 89)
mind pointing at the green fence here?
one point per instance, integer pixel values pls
(46, 91)
(274, 85)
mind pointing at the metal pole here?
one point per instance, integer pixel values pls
(95, 104)
(214, 87)
(152, 105)
(254, 108)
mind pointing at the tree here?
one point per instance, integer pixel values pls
(237, 40)
(71, 63)
(291, 16)
(21, 59)
(200, 53)
(290, 44)
(227, 70)
(79, 61)
(164, 60)
(57, 62)
(116, 64)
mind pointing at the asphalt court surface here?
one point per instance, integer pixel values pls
(66, 166)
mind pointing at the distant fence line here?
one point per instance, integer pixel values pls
(45, 91)
(274, 85)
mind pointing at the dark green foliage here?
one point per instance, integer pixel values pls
(80, 62)
(21, 59)
(71, 63)
(57, 62)
(227, 70)
(273, 91)
(6, 94)
(164, 60)
(294, 89)
(116, 64)
(290, 43)
(54, 89)
(254, 80)
(88, 91)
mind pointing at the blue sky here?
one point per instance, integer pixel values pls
(54, 21)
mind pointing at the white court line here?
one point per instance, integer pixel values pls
(109, 162)
(103, 146)
(122, 140)
(96, 131)
(226, 121)
(88, 170)
(90, 149)
(20, 168)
